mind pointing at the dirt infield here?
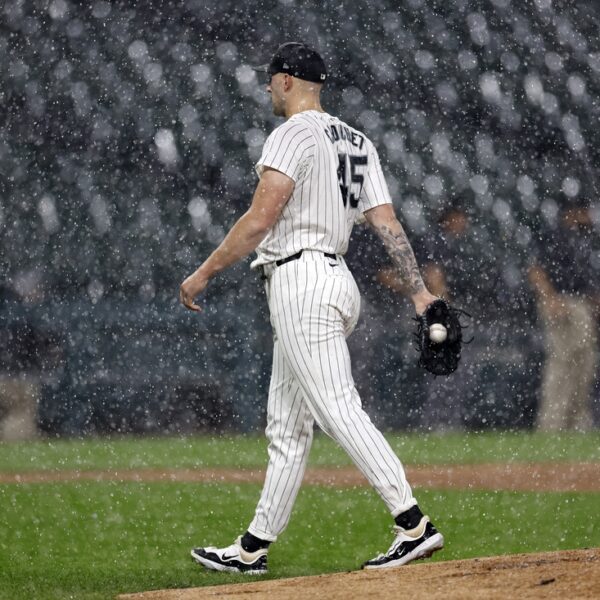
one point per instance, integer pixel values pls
(570, 574)
(535, 477)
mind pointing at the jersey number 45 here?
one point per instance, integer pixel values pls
(350, 177)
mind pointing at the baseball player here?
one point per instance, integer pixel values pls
(317, 176)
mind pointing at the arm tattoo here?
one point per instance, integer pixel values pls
(403, 257)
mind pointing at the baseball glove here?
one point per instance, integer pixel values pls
(439, 354)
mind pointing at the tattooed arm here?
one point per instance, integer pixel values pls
(384, 222)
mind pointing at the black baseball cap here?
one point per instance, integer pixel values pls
(298, 60)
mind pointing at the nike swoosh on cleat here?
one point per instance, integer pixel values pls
(225, 557)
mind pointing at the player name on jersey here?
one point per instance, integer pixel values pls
(335, 133)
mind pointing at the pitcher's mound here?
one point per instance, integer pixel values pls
(568, 574)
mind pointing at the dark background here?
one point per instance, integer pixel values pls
(128, 134)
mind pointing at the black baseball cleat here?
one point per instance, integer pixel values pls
(233, 559)
(420, 542)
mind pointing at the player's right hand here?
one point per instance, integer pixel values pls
(422, 300)
(190, 288)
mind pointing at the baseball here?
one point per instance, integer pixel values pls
(437, 333)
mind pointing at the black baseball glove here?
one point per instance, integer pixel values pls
(439, 357)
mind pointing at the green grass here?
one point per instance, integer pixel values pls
(90, 540)
(250, 451)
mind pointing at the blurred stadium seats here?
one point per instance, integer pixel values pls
(128, 133)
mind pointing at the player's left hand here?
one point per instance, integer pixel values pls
(192, 286)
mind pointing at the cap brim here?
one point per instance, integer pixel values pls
(261, 68)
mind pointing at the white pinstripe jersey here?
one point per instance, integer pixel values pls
(338, 176)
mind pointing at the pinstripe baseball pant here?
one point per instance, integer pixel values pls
(314, 304)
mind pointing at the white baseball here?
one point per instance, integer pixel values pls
(437, 333)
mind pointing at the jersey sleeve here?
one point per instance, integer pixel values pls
(288, 149)
(375, 190)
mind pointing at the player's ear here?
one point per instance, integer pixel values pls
(288, 82)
